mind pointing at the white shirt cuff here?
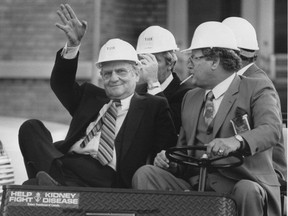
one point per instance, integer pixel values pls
(156, 88)
(70, 52)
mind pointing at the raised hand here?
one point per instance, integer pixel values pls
(149, 69)
(72, 26)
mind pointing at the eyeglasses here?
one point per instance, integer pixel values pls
(195, 58)
(120, 73)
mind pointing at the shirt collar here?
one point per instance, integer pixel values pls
(125, 103)
(167, 82)
(242, 70)
(222, 87)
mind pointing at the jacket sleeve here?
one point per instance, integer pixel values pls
(63, 83)
(265, 118)
(165, 131)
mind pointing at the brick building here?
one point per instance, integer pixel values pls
(29, 41)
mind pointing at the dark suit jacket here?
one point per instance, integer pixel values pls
(147, 128)
(259, 100)
(279, 157)
(174, 94)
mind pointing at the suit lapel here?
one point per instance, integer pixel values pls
(226, 104)
(78, 129)
(133, 118)
(195, 113)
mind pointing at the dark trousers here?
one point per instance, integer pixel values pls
(40, 154)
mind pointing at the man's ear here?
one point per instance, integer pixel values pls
(137, 77)
(215, 63)
(137, 74)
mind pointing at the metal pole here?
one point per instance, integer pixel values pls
(96, 79)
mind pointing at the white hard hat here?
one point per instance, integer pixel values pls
(155, 39)
(213, 34)
(117, 50)
(244, 32)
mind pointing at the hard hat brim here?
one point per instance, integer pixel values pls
(99, 64)
(190, 49)
(156, 51)
(186, 50)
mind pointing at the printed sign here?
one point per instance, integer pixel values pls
(110, 214)
(43, 199)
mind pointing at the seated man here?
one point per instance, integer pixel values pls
(157, 47)
(112, 132)
(224, 96)
(247, 43)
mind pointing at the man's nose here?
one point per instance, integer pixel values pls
(190, 65)
(114, 76)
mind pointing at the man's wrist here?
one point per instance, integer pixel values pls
(241, 141)
(70, 44)
(153, 85)
(70, 52)
(154, 88)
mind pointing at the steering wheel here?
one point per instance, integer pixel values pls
(180, 155)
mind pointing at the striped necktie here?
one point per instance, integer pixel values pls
(209, 108)
(107, 126)
(107, 138)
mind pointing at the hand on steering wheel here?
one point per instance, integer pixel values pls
(222, 146)
(180, 155)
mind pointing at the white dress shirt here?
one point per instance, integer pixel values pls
(219, 91)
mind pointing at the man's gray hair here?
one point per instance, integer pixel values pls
(170, 58)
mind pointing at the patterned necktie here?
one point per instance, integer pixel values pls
(107, 126)
(107, 138)
(209, 108)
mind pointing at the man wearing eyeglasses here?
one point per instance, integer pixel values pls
(226, 113)
(112, 132)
